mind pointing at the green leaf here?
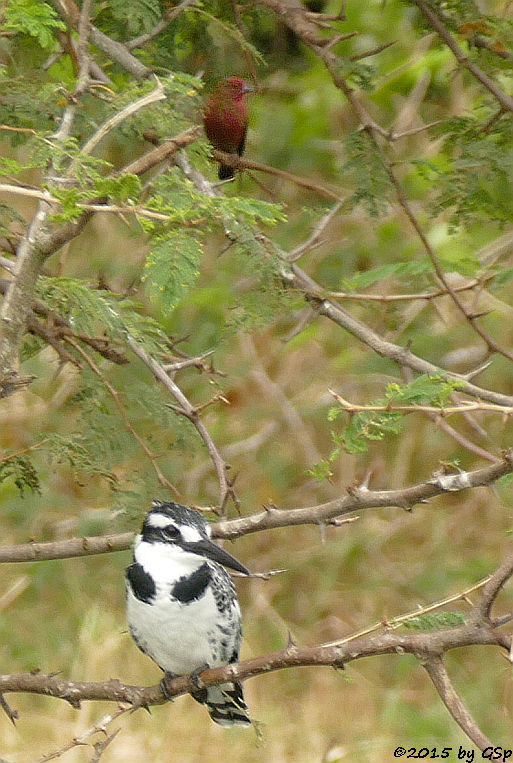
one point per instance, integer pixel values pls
(34, 18)
(100, 312)
(171, 268)
(371, 425)
(138, 15)
(434, 621)
(22, 472)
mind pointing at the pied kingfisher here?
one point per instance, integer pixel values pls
(181, 604)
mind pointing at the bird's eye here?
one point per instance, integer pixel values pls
(172, 532)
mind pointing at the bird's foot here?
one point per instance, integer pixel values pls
(195, 676)
(163, 686)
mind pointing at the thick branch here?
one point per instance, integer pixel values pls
(423, 645)
(357, 499)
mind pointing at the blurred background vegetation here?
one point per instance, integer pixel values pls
(273, 367)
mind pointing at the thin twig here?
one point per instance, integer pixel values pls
(396, 622)
(158, 94)
(505, 100)
(97, 728)
(425, 295)
(443, 411)
(168, 17)
(240, 163)
(121, 408)
(314, 238)
(314, 293)
(483, 606)
(190, 412)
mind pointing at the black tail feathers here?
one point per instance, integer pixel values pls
(225, 703)
(226, 172)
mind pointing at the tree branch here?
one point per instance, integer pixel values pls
(422, 645)
(190, 412)
(240, 163)
(401, 355)
(357, 499)
(483, 607)
(434, 20)
(453, 702)
(117, 52)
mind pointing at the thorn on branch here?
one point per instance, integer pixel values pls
(339, 521)
(340, 16)
(13, 715)
(101, 746)
(373, 51)
(291, 642)
(332, 41)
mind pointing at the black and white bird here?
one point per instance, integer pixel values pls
(182, 607)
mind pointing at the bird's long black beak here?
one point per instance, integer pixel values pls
(216, 554)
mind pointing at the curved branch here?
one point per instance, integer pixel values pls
(453, 702)
(482, 608)
(190, 412)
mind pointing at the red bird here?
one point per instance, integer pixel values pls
(226, 119)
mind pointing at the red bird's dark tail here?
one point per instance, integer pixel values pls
(225, 172)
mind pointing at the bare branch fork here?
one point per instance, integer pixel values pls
(192, 414)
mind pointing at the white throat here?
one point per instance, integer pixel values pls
(164, 561)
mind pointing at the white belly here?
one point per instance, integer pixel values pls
(181, 638)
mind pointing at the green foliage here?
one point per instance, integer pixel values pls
(138, 15)
(374, 425)
(171, 268)
(434, 620)
(34, 18)
(502, 278)
(21, 470)
(365, 169)
(120, 189)
(8, 214)
(359, 73)
(92, 312)
(473, 183)
(76, 452)
(408, 270)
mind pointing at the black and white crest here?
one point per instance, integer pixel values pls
(181, 603)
